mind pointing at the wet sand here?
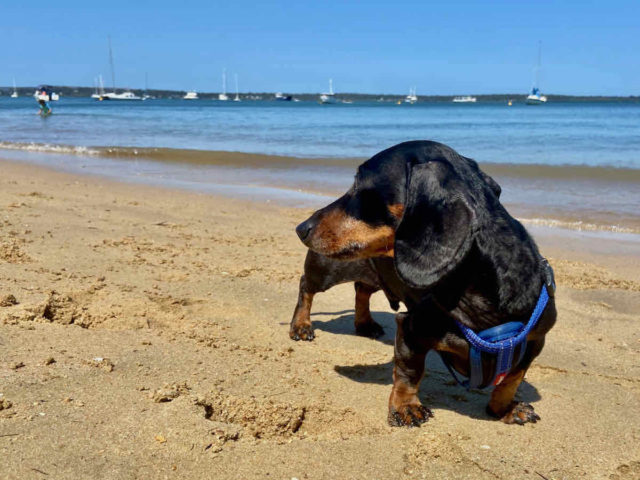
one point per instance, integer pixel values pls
(143, 334)
(577, 197)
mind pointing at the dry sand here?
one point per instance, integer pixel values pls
(143, 334)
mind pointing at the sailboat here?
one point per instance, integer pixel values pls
(15, 90)
(128, 95)
(145, 95)
(412, 97)
(99, 91)
(223, 96)
(535, 98)
(330, 97)
(237, 99)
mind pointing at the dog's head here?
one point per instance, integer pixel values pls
(419, 202)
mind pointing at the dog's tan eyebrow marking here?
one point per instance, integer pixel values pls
(397, 210)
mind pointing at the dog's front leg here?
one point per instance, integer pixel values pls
(405, 408)
(502, 404)
(301, 328)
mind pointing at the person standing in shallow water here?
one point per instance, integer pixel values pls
(45, 109)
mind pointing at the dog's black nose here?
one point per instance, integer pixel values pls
(304, 229)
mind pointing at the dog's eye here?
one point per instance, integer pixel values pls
(368, 206)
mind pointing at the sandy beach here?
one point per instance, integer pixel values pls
(144, 334)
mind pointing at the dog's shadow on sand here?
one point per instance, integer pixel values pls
(437, 390)
(343, 325)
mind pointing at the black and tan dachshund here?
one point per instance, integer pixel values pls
(440, 241)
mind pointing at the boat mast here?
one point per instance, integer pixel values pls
(113, 72)
(537, 68)
(237, 95)
(331, 86)
(224, 81)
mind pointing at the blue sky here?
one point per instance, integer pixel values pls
(588, 48)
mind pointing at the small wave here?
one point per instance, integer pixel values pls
(577, 225)
(114, 152)
(185, 156)
(50, 148)
(562, 172)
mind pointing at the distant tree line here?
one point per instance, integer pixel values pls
(78, 92)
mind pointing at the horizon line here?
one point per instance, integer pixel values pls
(171, 90)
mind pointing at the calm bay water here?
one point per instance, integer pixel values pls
(327, 138)
(570, 133)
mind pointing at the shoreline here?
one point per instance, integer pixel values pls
(225, 158)
(147, 336)
(580, 198)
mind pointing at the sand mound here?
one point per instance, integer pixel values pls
(60, 309)
(259, 419)
(57, 308)
(169, 392)
(584, 276)
(5, 404)
(627, 472)
(8, 301)
(11, 252)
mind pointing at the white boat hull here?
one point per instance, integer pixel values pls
(465, 100)
(327, 99)
(124, 96)
(536, 100)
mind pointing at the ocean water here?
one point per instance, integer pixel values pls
(573, 165)
(554, 134)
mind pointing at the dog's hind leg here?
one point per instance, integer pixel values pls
(301, 328)
(405, 408)
(502, 404)
(365, 325)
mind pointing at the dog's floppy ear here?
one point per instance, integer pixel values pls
(438, 225)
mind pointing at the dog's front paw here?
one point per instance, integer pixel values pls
(409, 415)
(518, 413)
(302, 332)
(369, 329)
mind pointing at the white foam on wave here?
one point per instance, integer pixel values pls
(577, 225)
(49, 148)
